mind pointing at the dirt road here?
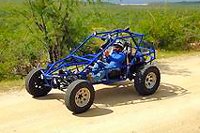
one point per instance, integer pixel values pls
(174, 108)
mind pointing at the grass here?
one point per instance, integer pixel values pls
(167, 54)
(10, 85)
(170, 27)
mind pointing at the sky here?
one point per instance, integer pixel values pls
(144, 1)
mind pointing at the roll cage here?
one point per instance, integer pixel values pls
(72, 61)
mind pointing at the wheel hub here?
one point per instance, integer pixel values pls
(39, 82)
(82, 97)
(150, 80)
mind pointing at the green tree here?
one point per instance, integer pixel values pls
(53, 21)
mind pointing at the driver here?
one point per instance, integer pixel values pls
(113, 61)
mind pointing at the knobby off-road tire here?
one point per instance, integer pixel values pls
(80, 96)
(34, 83)
(147, 80)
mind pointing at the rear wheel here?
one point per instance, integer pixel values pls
(35, 84)
(79, 96)
(147, 80)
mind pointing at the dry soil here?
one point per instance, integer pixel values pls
(174, 108)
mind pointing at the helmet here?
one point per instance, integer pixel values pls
(119, 43)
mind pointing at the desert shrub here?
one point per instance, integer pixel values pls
(23, 45)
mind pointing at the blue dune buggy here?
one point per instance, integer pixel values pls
(72, 74)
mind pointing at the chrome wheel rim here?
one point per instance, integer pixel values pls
(150, 80)
(82, 97)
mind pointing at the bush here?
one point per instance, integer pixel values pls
(24, 45)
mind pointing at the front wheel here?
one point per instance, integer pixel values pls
(79, 96)
(147, 80)
(35, 84)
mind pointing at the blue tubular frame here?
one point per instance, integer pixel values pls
(111, 36)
